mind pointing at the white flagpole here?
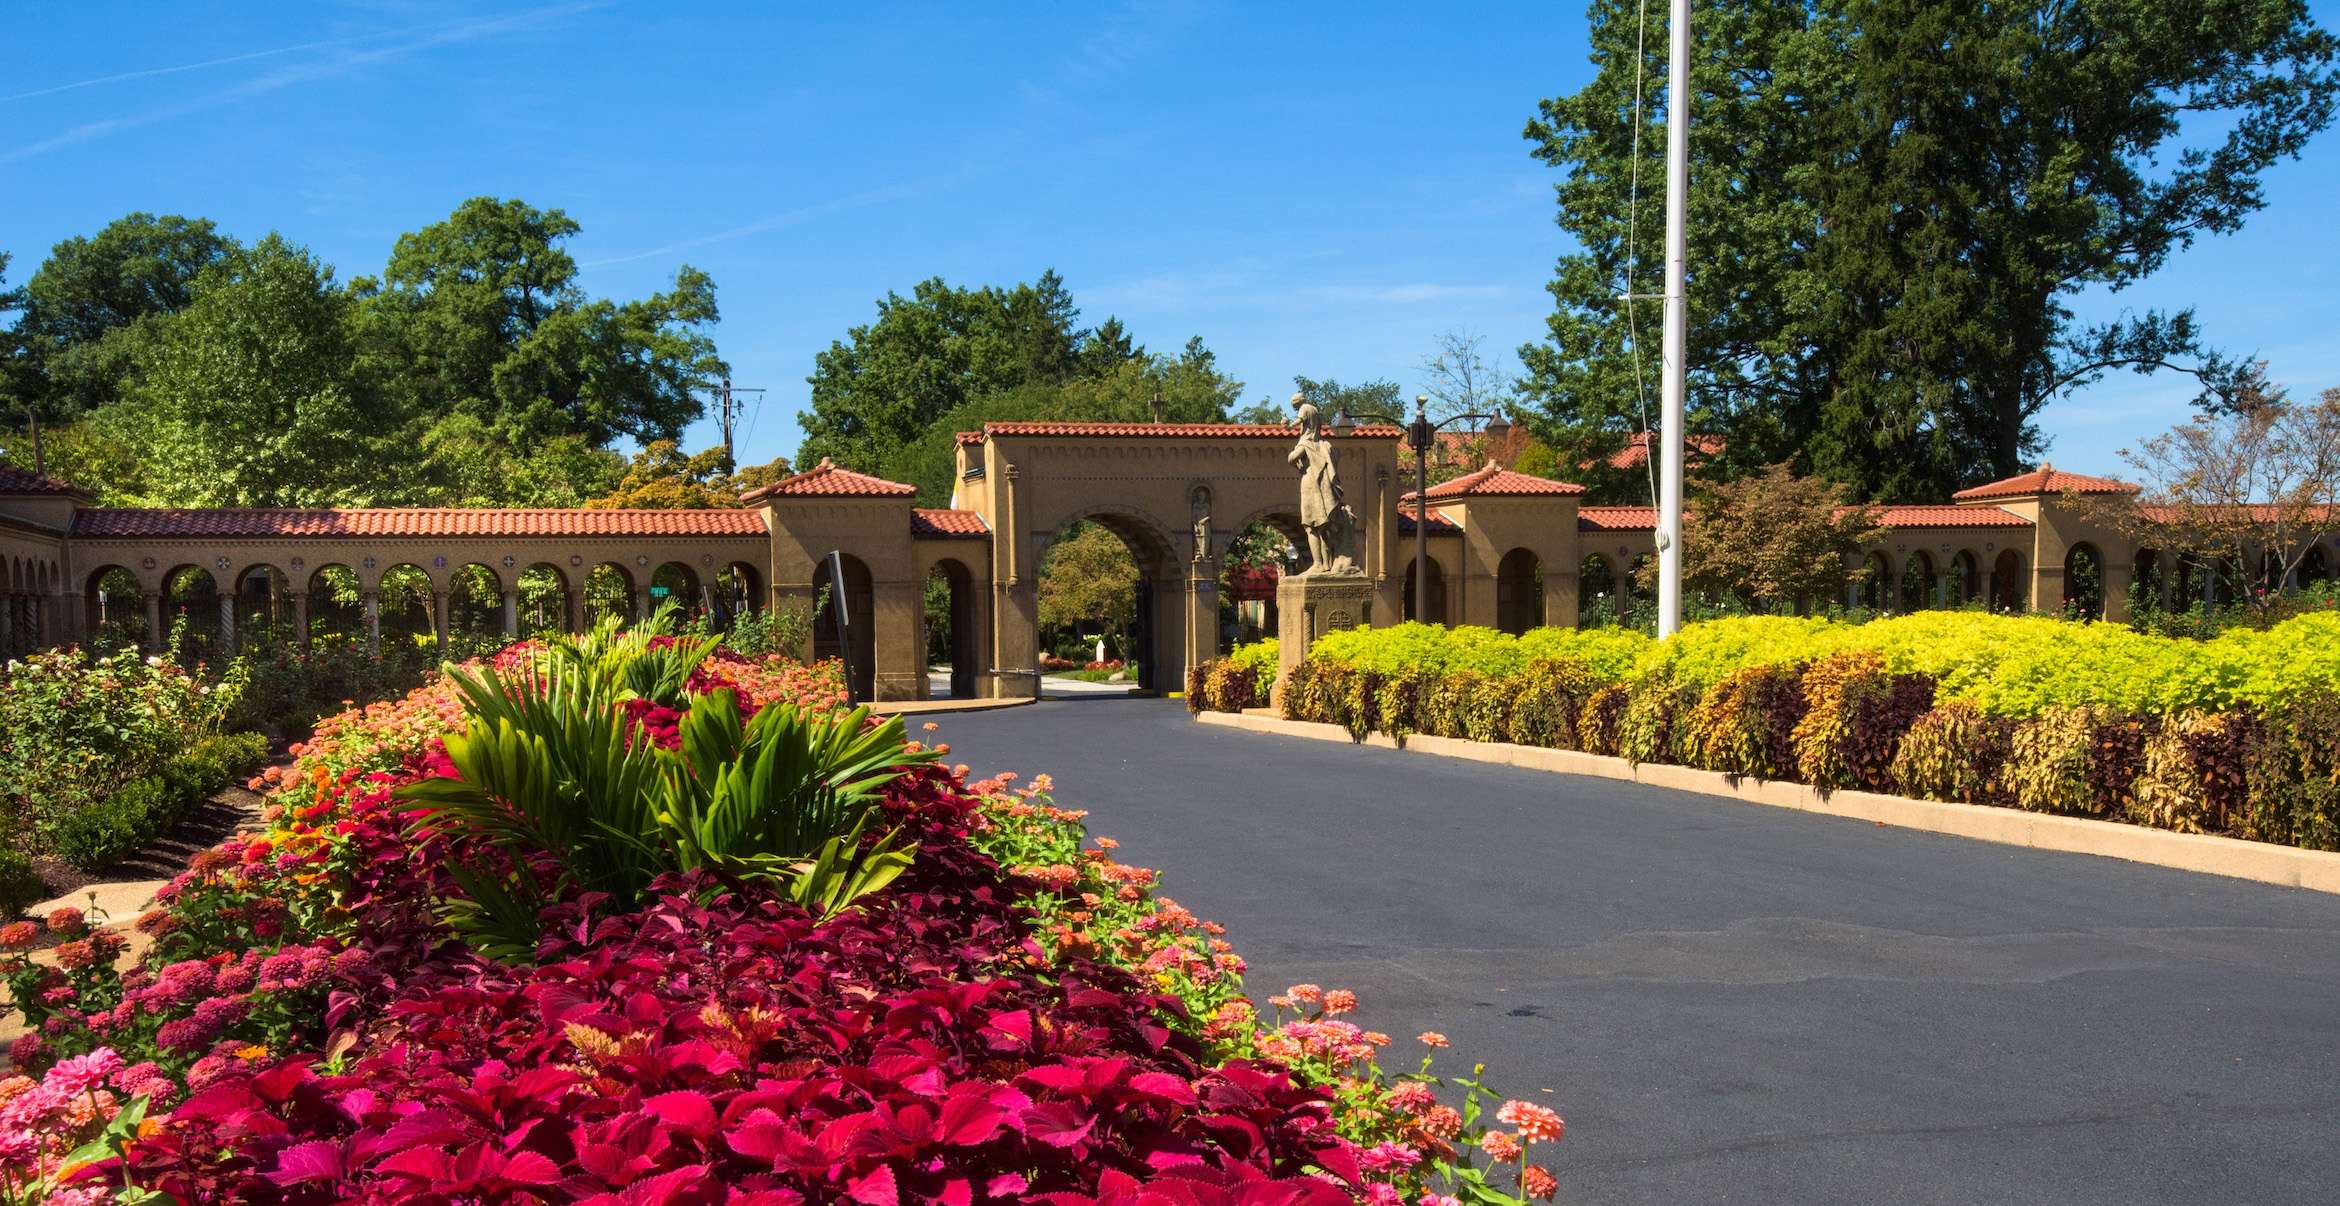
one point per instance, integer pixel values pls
(1669, 526)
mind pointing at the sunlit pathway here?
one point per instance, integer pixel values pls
(1740, 1004)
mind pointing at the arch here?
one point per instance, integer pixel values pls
(1876, 582)
(2314, 566)
(1435, 580)
(475, 605)
(263, 613)
(337, 605)
(1965, 578)
(1917, 582)
(2084, 581)
(547, 600)
(737, 590)
(677, 583)
(113, 608)
(950, 637)
(2009, 590)
(406, 598)
(608, 591)
(1259, 551)
(828, 642)
(1153, 556)
(1519, 591)
(190, 607)
(2148, 578)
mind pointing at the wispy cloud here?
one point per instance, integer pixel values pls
(794, 217)
(325, 68)
(248, 56)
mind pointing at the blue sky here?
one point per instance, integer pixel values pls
(1316, 190)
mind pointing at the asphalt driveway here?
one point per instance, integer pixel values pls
(1732, 1003)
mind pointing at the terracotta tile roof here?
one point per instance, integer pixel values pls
(2047, 479)
(358, 523)
(941, 521)
(970, 437)
(1496, 480)
(1197, 431)
(1635, 453)
(1439, 524)
(1616, 519)
(826, 480)
(1949, 517)
(16, 480)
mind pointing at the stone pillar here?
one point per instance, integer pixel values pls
(373, 609)
(641, 602)
(439, 610)
(1016, 659)
(300, 610)
(154, 623)
(7, 624)
(227, 624)
(573, 603)
(1311, 605)
(511, 614)
(1202, 621)
(1562, 597)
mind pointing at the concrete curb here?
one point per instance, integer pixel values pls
(2315, 870)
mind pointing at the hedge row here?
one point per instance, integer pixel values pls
(122, 823)
(1875, 707)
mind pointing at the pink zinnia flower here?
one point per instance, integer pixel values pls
(1537, 1182)
(1306, 994)
(1536, 1123)
(1431, 1038)
(1339, 1001)
(1500, 1147)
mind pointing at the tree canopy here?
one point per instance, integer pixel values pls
(1892, 203)
(187, 368)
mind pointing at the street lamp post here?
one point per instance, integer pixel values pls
(1421, 434)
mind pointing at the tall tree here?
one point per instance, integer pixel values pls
(886, 383)
(1459, 377)
(82, 311)
(481, 316)
(1892, 203)
(244, 396)
(663, 477)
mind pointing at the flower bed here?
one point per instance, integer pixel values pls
(325, 1014)
(2230, 736)
(100, 754)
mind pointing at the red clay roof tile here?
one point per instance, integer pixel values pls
(1496, 480)
(1213, 431)
(943, 522)
(114, 523)
(826, 480)
(1616, 519)
(17, 480)
(1949, 517)
(2047, 479)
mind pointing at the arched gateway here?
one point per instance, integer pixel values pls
(1503, 549)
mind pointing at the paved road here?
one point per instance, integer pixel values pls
(1733, 1003)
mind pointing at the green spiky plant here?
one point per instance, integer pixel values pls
(555, 796)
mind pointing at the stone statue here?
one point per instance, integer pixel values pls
(1202, 524)
(1331, 524)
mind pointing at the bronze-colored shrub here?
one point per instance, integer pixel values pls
(1443, 707)
(1230, 686)
(2075, 761)
(1304, 694)
(2293, 773)
(1197, 679)
(1547, 700)
(1349, 696)
(2195, 778)
(1649, 730)
(1599, 727)
(1745, 724)
(1397, 702)
(1955, 752)
(1855, 716)
(1487, 715)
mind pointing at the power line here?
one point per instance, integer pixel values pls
(727, 410)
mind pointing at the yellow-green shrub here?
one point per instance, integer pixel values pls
(1954, 752)
(1743, 724)
(2075, 761)
(1487, 714)
(1442, 708)
(1854, 718)
(1649, 729)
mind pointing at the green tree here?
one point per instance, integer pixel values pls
(246, 397)
(1088, 586)
(888, 382)
(480, 316)
(663, 477)
(1891, 203)
(1772, 540)
(86, 309)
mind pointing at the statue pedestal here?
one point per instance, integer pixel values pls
(1310, 605)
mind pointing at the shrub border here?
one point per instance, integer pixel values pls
(2236, 858)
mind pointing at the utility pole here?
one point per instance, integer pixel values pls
(1669, 526)
(727, 409)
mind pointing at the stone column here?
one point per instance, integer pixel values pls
(573, 602)
(227, 624)
(1562, 596)
(439, 604)
(511, 614)
(154, 623)
(373, 609)
(1202, 621)
(7, 624)
(300, 610)
(1016, 604)
(641, 602)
